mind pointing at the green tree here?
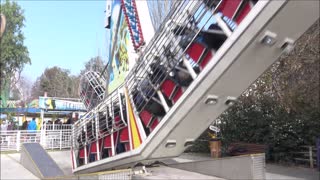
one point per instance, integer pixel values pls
(94, 64)
(13, 53)
(281, 109)
(159, 10)
(57, 83)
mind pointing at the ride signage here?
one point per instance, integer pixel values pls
(51, 103)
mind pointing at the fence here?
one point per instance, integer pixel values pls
(306, 155)
(49, 139)
(58, 126)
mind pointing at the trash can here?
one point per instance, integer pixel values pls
(215, 147)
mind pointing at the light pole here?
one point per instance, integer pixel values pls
(2, 24)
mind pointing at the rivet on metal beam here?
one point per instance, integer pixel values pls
(269, 38)
(171, 144)
(230, 101)
(189, 142)
(287, 45)
(211, 100)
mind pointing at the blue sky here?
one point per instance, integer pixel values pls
(64, 34)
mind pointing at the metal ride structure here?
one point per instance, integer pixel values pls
(191, 72)
(92, 89)
(132, 19)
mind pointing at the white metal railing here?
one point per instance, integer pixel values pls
(49, 139)
(58, 126)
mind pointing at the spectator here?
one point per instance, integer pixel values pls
(10, 126)
(25, 125)
(32, 126)
(4, 126)
(57, 121)
(69, 121)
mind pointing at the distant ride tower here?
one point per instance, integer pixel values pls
(92, 89)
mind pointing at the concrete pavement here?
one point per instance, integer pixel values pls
(12, 169)
(274, 171)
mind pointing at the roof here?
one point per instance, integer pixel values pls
(30, 111)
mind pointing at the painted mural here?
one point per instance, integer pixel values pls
(119, 37)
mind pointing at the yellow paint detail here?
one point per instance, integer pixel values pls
(133, 126)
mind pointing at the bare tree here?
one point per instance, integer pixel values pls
(158, 11)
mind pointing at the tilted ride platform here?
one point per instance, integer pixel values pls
(204, 55)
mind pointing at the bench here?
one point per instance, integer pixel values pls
(241, 148)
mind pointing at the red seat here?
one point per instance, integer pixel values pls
(81, 153)
(127, 146)
(115, 138)
(229, 7)
(177, 95)
(107, 142)
(124, 135)
(93, 147)
(167, 87)
(243, 13)
(117, 120)
(195, 51)
(171, 90)
(154, 124)
(145, 117)
(206, 59)
(110, 152)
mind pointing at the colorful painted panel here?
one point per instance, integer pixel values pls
(119, 37)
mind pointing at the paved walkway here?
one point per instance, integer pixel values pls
(274, 171)
(12, 169)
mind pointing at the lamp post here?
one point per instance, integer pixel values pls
(2, 24)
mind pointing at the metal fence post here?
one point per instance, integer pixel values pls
(318, 153)
(85, 145)
(97, 134)
(310, 157)
(60, 139)
(42, 137)
(18, 140)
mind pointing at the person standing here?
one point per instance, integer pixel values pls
(32, 127)
(4, 126)
(10, 126)
(25, 125)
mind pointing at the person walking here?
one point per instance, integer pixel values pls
(32, 127)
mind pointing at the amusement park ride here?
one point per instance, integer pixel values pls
(203, 56)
